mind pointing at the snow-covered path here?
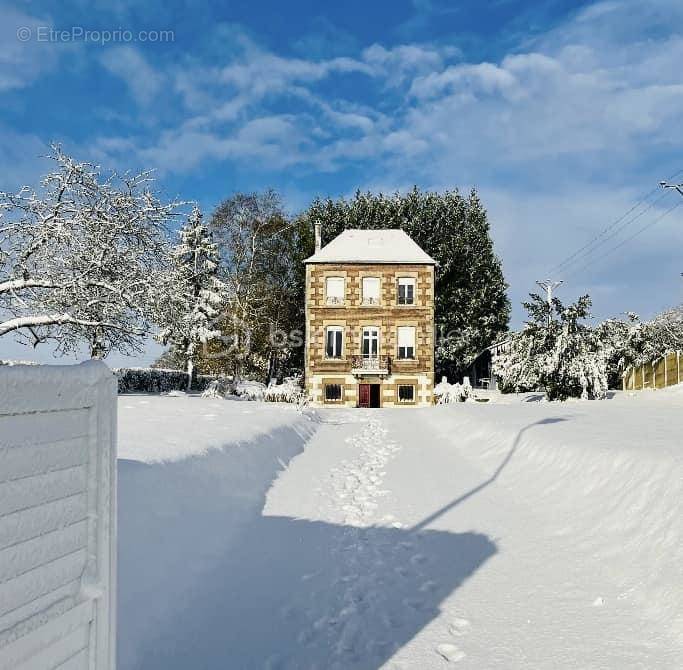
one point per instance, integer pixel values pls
(386, 544)
(525, 597)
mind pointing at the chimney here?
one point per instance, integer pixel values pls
(318, 238)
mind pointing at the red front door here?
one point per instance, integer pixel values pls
(364, 395)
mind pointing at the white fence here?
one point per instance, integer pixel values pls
(57, 517)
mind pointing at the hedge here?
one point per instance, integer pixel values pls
(157, 380)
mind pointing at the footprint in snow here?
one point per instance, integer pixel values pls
(459, 627)
(450, 652)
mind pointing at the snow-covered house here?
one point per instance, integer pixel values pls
(370, 321)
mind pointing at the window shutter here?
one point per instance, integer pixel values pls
(335, 288)
(406, 336)
(371, 290)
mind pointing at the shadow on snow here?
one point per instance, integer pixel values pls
(206, 581)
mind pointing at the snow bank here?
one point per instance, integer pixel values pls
(609, 472)
(193, 473)
(156, 428)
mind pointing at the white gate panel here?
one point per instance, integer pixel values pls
(57, 517)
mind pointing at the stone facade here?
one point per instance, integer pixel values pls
(347, 370)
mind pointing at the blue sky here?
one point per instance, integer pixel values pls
(563, 114)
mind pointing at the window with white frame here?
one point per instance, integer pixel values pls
(406, 290)
(334, 339)
(333, 393)
(406, 341)
(406, 393)
(334, 290)
(370, 342)
(371, 290)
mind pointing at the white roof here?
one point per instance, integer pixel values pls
(389, 245)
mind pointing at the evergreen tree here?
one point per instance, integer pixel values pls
(196, 294)
(557, 351)
(472, 308)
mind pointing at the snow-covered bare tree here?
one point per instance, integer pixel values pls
(197, 296)
(556, 350)
(81, 258)
(261, 255)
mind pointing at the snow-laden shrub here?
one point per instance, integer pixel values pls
(556, 351)
(156, 380)
(639, 343)
(218, 388)
(248, 389)
(12, 362)
(289, 391)
(446, 393)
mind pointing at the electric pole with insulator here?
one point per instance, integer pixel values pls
(549, 286)
(677, 187)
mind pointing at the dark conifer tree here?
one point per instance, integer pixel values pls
(472, 308)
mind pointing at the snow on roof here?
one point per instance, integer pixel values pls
(389, 245)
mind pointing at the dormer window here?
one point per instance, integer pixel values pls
(334, 290)
(406, 290)
(371, 290)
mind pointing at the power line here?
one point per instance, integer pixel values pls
(614, 232)
(628, 239)
(610, 232)
(573, 258)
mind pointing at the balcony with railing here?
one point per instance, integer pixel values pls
(371, 365)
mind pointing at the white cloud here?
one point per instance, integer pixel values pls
(22, 57)
(127, 63)
(545, 132)
(400, 63)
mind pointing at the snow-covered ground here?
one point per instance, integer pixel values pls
(514, 535)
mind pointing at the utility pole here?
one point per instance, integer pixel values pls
(678, 187)
(549, 286)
